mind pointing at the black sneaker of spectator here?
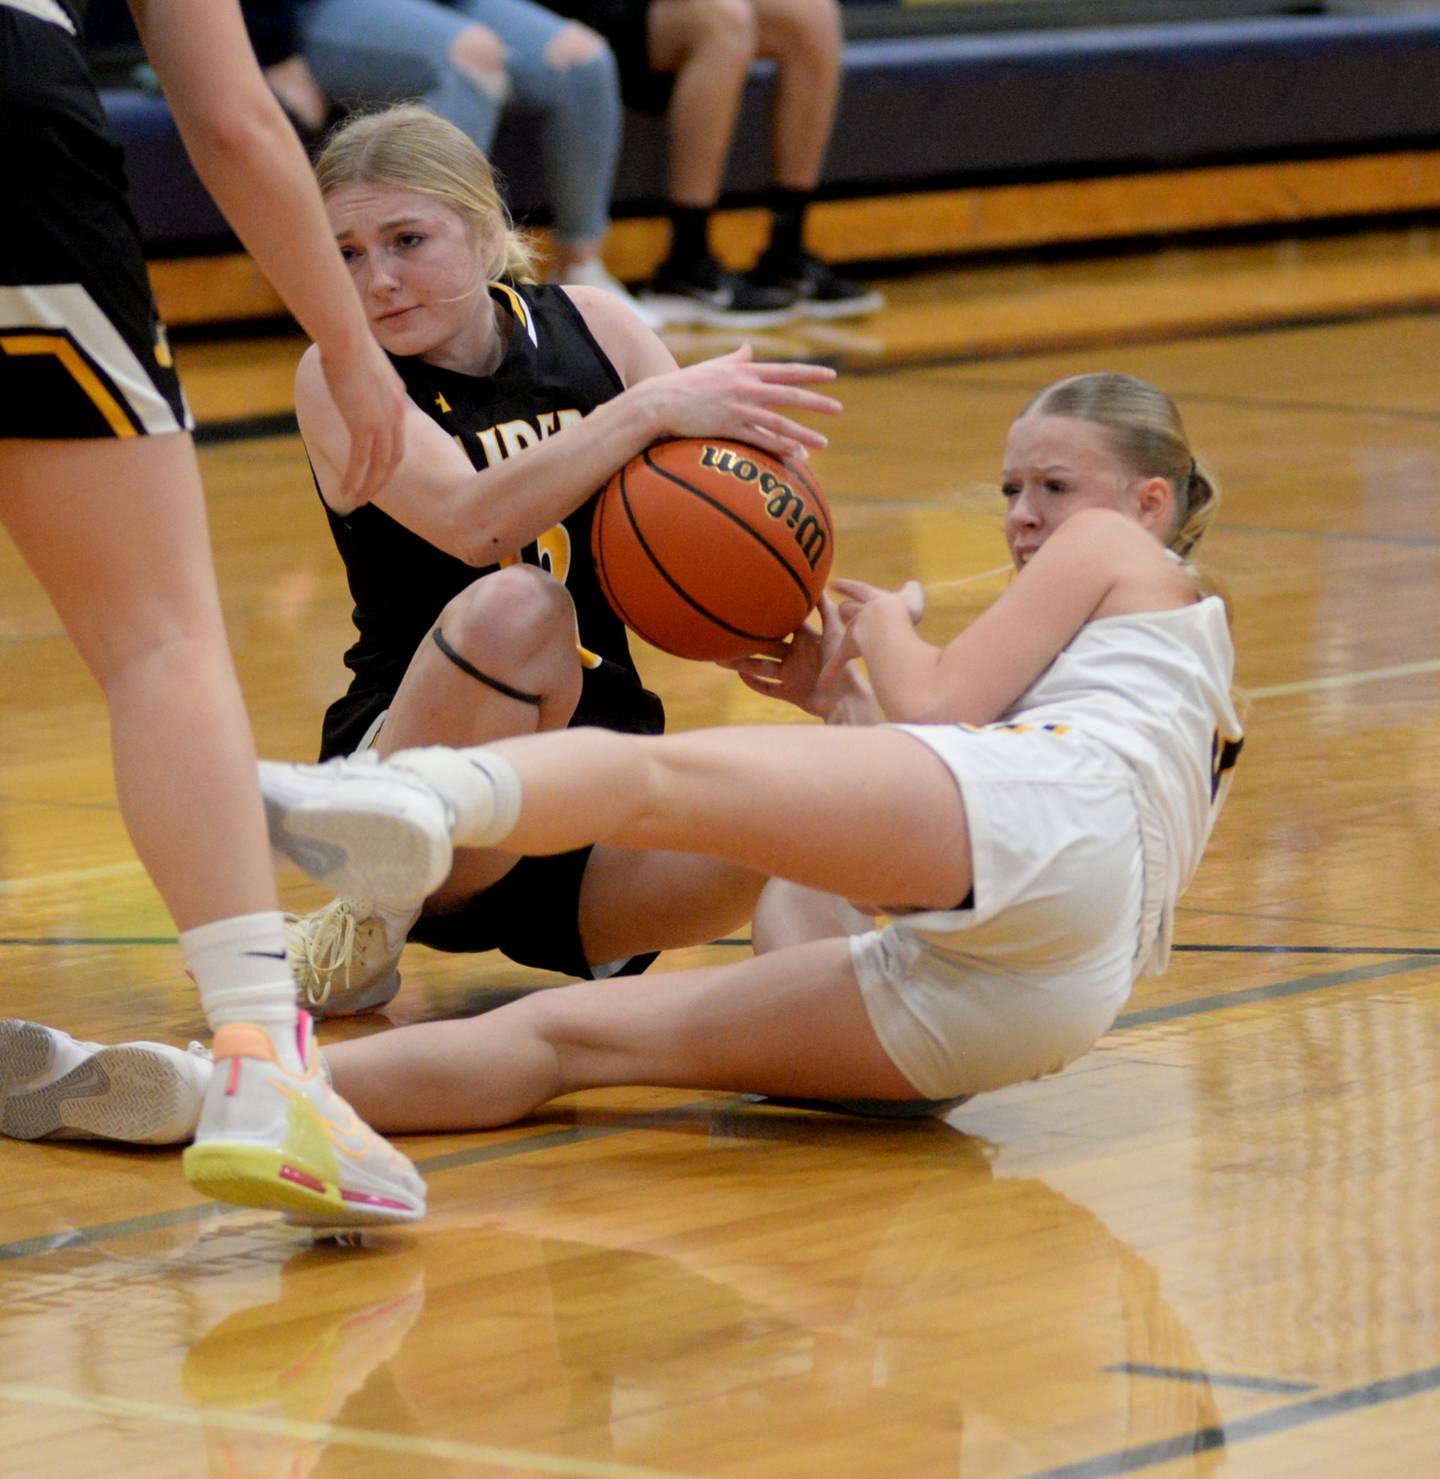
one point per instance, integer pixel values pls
(703, 292)
(820, 291)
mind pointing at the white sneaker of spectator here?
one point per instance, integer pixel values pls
(591, 273)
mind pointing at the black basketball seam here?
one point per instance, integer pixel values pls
(719, 507)
(598, 548)
(665, 575)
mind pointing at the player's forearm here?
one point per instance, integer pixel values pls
(257, 172)
(246, 152)
(902, 666)
(500, 510)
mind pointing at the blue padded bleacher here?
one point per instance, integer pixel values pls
(941, 111)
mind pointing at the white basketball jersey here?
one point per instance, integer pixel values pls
(1155, 688)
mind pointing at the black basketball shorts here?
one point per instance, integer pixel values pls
(82, 349)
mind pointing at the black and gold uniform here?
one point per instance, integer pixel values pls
(552, 374)
(82, 350)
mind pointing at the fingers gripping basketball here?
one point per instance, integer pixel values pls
(709, 549)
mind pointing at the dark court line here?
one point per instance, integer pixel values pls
(226, 430)
(1213, 1378)
(1244, 402)
(246, 428)
(103, 1232)
(478, 1155)
(1245, 1429)
(740, 942)
(1307, 949)
(1200, 1005)
(1143, 336)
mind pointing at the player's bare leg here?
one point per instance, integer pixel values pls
(116, 533)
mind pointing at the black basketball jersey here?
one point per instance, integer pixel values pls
(553, 373)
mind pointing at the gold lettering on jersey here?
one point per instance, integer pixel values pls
(782, 501)
(491, 443)
(442, 403)
(506, 438)
(515, 436)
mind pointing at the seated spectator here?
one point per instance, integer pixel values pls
(688, 60)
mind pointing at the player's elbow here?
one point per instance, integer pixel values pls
(481, 544)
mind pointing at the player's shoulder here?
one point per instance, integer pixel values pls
(1105, 533)
(633, 348)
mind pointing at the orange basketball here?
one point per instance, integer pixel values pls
(709, 548)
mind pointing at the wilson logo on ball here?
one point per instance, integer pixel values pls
(712, 549)
(782, 502)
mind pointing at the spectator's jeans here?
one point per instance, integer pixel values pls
(368, 52)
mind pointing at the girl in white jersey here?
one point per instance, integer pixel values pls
(1025, 805)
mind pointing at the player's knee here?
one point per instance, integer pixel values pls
(576, 46)
(516, 616)
(479, 55)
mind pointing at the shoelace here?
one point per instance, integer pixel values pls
(326, 943)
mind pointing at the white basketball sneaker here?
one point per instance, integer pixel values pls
(273, 1133)
(53, 1087)
(367, 830)
(342, 959)
(383, 830)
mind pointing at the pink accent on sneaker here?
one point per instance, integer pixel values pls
(289, 1173)
(234, 1083)
(366, 1199)
(303, 1030)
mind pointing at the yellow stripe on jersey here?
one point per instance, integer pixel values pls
(80, 372)
(518, 307)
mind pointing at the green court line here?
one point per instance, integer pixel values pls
(91, 940)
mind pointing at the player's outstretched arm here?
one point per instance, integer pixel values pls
(482, 517)
(1089, 560)
(246, 152)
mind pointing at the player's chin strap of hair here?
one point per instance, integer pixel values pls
(466, 667)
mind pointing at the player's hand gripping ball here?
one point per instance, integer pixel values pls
(712, 549)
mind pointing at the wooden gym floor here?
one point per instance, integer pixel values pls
(1210, 1245)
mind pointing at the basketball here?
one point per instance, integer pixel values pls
(708, 549)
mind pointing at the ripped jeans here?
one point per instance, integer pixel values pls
(369, 52)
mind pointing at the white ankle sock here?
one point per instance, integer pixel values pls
(397, 919)
(481, 789)
(240, 967)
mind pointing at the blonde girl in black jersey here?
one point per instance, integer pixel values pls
(471, 570)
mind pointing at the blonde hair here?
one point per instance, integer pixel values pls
(410, 148)
(1146, 434)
